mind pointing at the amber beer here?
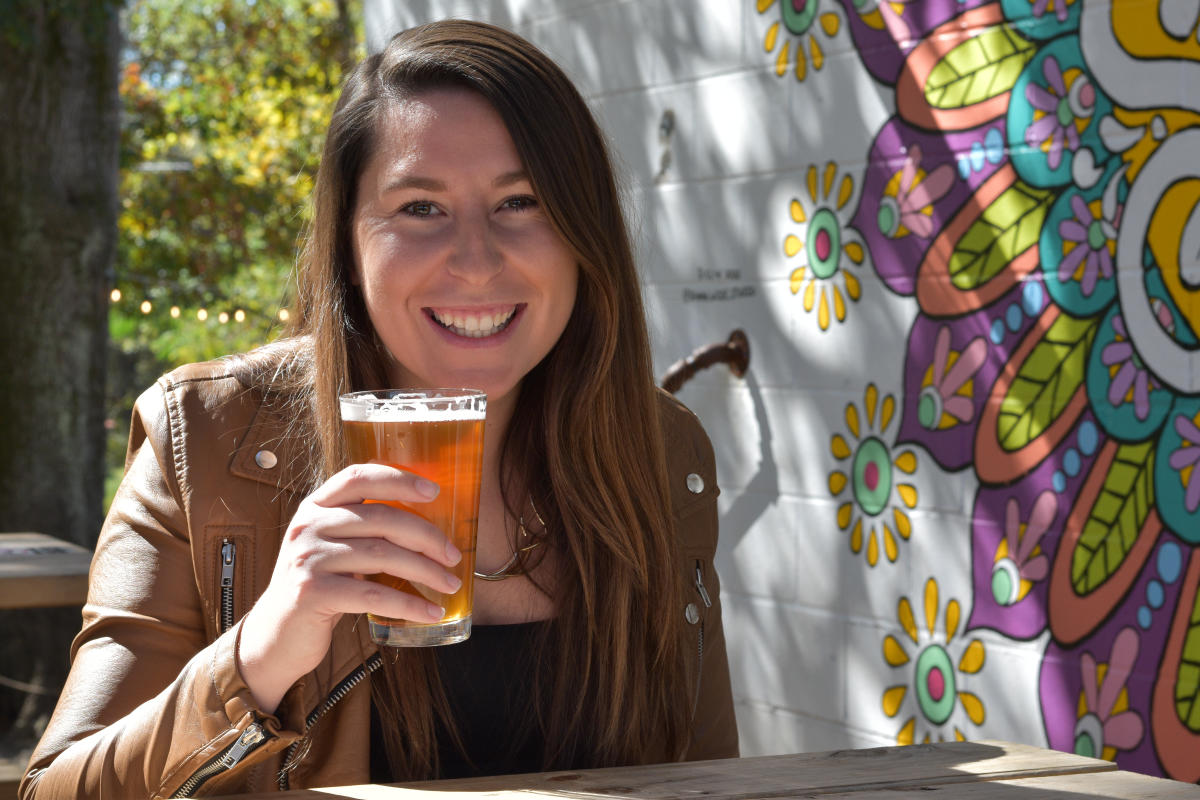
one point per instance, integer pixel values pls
(437, 434)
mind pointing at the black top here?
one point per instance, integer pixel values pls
(487, 680)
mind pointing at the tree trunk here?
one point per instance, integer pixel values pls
(59, 66)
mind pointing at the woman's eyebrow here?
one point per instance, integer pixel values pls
(414, 182)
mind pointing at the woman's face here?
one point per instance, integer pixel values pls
(464, 278)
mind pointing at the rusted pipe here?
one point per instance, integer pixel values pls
(735, 352)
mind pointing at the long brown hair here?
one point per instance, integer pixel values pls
(585, 440)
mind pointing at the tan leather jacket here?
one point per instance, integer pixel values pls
(154, 705)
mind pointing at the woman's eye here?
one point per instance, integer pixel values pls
(421, 208)
(521, 203)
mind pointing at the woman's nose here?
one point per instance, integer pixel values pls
(476, 256)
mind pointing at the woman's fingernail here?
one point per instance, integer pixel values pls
(427, 487)
(453, 582)
(436, 612)
(452, 553)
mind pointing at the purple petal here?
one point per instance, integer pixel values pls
(941, 354)
(1191, 500)
(1087, 671)
(1121, 383)
(1187, 429)
(918, 223)
(1054, 76)
(1070, 263)
(959, 407)
(1071, 135)
(968, 363)
(1115, 353)
(1079, 208)
(1118, 324)
(1184, 457)
(1141, 395)
(1123, 731)
(1040, 130)
(1036, 568)
(1073, 230)
(1106, 262)
(1042, 100)
(1120, 664)
(1090, 273)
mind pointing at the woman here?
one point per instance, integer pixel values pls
(466, 232)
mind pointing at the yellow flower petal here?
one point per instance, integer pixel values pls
(856, 537)
(889, 544)
(853, 287)
(837, 482)
(843, 515)
(830, 23)
(812, 182)
(958, 735)
(844, 193)
(973, 706)
(872, 548)
(952, 613)
(852, 419)
(906, 462)
(908, 494)
(830, 174)
(931, 604)
(839, 447)
(782, 59)
(905, 736)
(893, 652)
(763, 5)
(823, 311)
(818, 57)
(810, 295)
(889, 408)
(855, 251)
(904, 614)
(903, 524)
(792, 245)
(973, 657)
(839, 305)
(801, 64)
(796, 280)
(892, 699)
(797, 212)
(870, 399)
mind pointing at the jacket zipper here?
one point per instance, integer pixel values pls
(700, 635)
(228, 562)
(290, 757)
(248, 742)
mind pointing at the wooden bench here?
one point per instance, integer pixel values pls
(38, 571)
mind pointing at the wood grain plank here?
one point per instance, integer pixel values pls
(37, 570)
(803, 774)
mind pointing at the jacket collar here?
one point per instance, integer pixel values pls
(269, 453)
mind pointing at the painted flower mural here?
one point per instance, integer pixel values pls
(828, 247)
(871, 480)
(1038, 194)
(797, 33)
(930, 696)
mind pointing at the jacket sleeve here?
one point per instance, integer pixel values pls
(693, 481)
(149, 700)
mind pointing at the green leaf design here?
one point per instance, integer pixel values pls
(1116, 518)
(1187, 682)
(983, 66)
(1008, 227)
(1045, 383)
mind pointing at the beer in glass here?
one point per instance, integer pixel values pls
(437, 434)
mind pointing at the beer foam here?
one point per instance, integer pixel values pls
(401, 409)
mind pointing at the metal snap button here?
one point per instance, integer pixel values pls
(695, 483)
(265, 459)
(691, 614)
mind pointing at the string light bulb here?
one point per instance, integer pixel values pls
(115, 295)
(202, 314)
(175, 312)
(239, 315)
(146, 307)
(283, 315)
(223, 317)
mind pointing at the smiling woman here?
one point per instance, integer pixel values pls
(466, 233)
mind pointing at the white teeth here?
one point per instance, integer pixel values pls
(475, 326)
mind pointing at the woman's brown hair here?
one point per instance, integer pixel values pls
(584, 442)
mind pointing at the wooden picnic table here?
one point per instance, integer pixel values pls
(983, 770)
(37, 570)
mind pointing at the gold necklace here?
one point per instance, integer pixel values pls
(507, 570)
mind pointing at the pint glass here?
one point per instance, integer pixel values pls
(437, 434)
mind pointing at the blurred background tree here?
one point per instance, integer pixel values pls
(224, 108)
(204, 186)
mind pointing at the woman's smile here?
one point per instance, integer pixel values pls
(474, 323)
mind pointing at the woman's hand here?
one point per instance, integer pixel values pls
(334, 539)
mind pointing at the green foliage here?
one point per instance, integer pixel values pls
(225, 105)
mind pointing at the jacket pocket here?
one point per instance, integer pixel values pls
(229, 579)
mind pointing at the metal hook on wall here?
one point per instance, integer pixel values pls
(735, 352)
